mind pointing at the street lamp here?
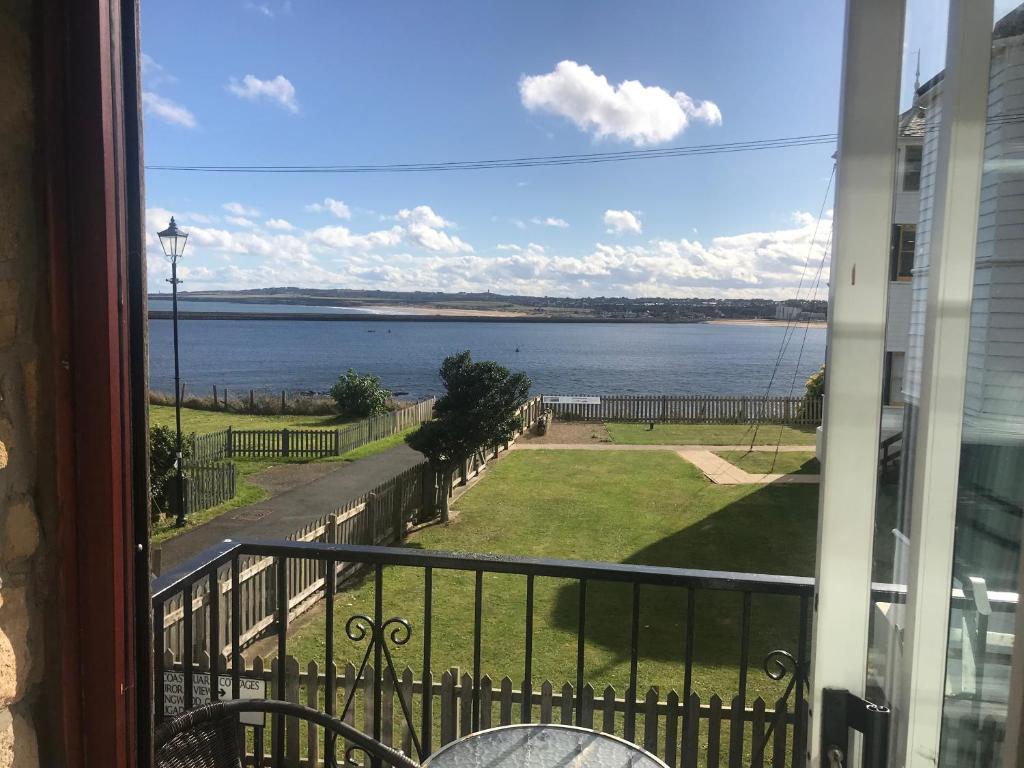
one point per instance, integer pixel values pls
(173, 240)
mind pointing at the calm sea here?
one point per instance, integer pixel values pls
(560, 358)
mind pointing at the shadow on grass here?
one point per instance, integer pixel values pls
(769, 530)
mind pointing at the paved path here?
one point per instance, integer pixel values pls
(704, 457)
(720, 471)
(528, 446)
(280, 516)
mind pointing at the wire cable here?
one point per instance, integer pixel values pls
(518, 162)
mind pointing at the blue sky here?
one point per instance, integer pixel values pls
(382, 82)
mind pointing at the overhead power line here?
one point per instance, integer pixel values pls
(518, 162)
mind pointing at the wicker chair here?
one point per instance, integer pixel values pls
(209, 737)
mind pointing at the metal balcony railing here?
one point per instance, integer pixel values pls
(738, 625)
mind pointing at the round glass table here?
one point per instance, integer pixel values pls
(542, 746)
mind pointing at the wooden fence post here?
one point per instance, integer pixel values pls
(337, 441)
(284, 442)
(228, 445)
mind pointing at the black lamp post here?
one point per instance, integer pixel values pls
(172, 240)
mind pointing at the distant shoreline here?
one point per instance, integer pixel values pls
(738, 321)
(163, 314)
(456, 316)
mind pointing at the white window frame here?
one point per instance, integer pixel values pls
(918, 722)
(858, 295)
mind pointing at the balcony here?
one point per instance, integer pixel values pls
(387, 671)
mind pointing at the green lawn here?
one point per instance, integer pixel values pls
(249, 493)
(709, 434)
(769, 462)
(621, 507)
(200, 422)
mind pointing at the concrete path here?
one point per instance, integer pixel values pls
(280, 516)
(526, 446)
(720, 471)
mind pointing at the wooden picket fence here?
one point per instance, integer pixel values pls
(695, 409)
(712, 733)
(306, 443)
(209, 485)
(381, 516)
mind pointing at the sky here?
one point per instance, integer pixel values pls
(268, 82)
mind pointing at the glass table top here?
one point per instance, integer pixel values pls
(542, 746)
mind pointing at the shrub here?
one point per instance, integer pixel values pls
(360, 396)
(479, 409)
(161, 467)
(815, 384)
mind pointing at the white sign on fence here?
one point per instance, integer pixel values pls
(174, 693)
(571, 400)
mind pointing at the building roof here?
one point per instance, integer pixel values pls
(1011, 25)
(912, 123)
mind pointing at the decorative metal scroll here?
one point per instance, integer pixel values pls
(398, 631)
(777, 664)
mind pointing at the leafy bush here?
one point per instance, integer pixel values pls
(479, 409)
(815, 384)
(162, 452)
(360, 396)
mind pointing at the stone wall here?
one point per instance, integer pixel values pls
(27, 512)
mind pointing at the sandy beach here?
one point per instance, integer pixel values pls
(770, 323)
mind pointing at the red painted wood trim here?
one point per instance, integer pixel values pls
(84, 168)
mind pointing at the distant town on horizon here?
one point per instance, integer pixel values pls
(484, 304)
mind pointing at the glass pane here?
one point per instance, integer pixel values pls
(916, 137)
(990, 500)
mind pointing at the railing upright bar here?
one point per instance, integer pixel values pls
(478, 592)
(281, 574)
(214, 598)
(691, 627)
(581, 635)
(528, 659)
(802, 666)
(236, 630)
(744, 646)
(629, 727)
(378, 657)
(428, 696)
(330, 671)
(159, 648)
(186, 649)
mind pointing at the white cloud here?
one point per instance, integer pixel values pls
(278, 89)
(240, 210)
(550, 221)
(425, 228)
(630, 111)
(154, 74)
(423, 214)
(270, 10)
(620, 222)
(337, 207)
(750, 264)
(240, 221)
(342, 237)
(167, 110)
(281, 224)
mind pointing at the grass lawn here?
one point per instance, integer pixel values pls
(765, 462)
(709, 434)
(200, 422)
(621, 507)
(249, 493)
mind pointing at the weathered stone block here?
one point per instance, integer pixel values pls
(18, 747)
(21, 530)
(15, 662)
